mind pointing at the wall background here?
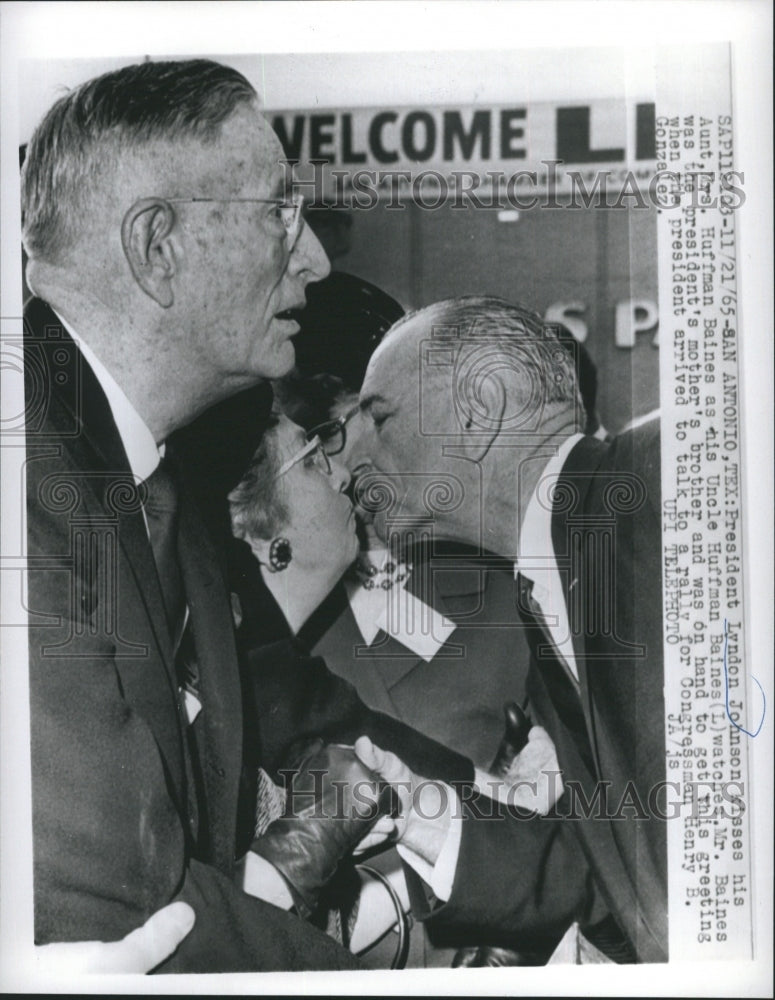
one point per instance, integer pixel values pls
(594, 257)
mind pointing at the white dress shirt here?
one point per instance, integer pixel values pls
(142, 452)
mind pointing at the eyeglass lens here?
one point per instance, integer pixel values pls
(332, 436)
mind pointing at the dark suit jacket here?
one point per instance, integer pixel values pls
(609, 733)
(458, 697)
(113, 840)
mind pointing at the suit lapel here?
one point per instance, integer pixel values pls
(568, 541)
(441, 586)
(391, 659)
(563, 691)
(97, 446)
(218, 731)
(80, 407)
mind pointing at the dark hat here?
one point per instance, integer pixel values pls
(215, 449)
(344, 320)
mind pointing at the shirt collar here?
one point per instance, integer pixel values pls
(141, 450)
(398, 613)
(368, 598)
(535, 536)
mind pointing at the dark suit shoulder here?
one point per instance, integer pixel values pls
(638, 450)
(641, 441)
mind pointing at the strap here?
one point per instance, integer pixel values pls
(403, 921)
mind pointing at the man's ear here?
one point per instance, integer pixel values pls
(149, 249)
(482, 410)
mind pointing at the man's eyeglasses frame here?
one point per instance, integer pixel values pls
(291, 218)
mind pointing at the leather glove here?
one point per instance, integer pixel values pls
(333, 800)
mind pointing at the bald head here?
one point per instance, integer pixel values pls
(449, 389)
(468, 349)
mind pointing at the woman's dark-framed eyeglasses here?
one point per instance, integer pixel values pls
(313, 451)
(333, 433)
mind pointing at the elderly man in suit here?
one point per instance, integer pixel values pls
(481, 393)
(166, 256)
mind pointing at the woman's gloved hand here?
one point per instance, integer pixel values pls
(333, 801)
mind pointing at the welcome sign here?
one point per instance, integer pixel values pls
(371, 153)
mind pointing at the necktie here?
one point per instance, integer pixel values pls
(161, 511)
(563, 686)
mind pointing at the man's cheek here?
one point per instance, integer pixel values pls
(405, 499)
(411, 501)
(389, 456)
(380, 528)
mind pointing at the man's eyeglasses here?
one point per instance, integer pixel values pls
(333, 433)
(290, 210)
(313, 453)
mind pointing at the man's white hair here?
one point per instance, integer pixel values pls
(95, 125)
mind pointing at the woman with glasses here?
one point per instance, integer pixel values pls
(294, 536)
(292, 511)
(296, 532)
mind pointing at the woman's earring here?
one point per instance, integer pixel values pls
(280, 553)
